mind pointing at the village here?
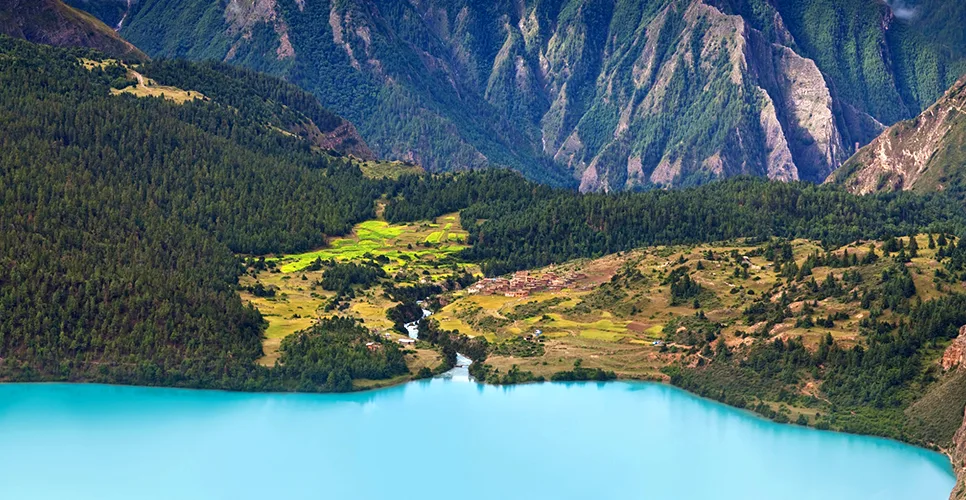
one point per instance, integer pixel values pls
(525, 283)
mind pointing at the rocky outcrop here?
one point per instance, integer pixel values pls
(955, 354)
(955, 358)
(958, 459)
(923, 154)
(343, 139)
(52, 22)
(242, 16)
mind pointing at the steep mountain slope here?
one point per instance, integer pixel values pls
(610, 95)
(927, 153)
(891, 62)
(406, 102)
(112, 12)
(53, 23)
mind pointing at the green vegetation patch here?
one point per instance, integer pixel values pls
(388, 169)
(400, 243)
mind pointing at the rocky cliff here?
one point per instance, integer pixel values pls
(927, 153)
(609, 94)
(958, 458)
(720, 99)
(955, 358)
(52, 22)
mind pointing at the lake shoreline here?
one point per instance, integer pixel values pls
(650, 423)
(397, 384)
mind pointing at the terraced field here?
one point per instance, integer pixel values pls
(401, 243)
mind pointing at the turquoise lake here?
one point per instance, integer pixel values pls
(436, 439)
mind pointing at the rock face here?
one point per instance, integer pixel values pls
(955, 354)
(923, 154)
(790, 132)
(955, 358)
(51, 22)
(343, 138)
(604, 94)
(958, 458)
(243, 16)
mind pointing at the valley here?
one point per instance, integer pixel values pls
(759, 202)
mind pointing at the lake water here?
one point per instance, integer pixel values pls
(436, 439)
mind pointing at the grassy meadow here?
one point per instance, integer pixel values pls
(388, 169)
(403, 244)
(615, 326)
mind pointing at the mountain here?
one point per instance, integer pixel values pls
(927, 153)
(54, 23)
(608, 95)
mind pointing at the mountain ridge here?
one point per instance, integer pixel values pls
(925, 153)
(606, 95)
(53, 22)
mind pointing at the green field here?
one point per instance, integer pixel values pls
(399, 242)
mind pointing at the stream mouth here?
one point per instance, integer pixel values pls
(460, 372)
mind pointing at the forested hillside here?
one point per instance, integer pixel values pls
(266, 98)
(604, 95)
(120, 215)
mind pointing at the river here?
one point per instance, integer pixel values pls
(412, 329)
(435, 439)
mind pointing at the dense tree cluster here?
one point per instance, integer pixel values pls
(333, 353)
(516, 225)
(681, 285)
(340, 277)
(581, 373)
